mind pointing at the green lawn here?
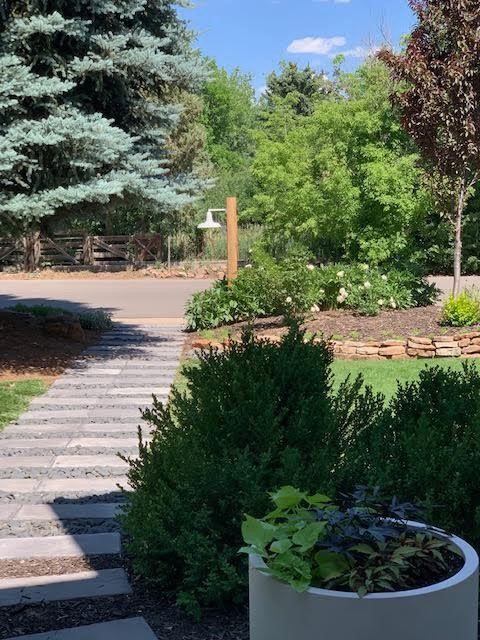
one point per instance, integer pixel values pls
(382, 376)
(15, 396)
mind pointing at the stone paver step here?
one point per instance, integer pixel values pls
(56, 402)
(70, 546)
(107, 392)
(62, 486)
(87, 584)
(60, 512)
(128, 629)
(62, 466)
(54, 415)
(54, 446)
(32, 429)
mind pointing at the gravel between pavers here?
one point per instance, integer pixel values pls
(62, 472)
(43, 528)
(67, 498)
(40, 451)
(57, 566)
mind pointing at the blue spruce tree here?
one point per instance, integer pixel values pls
(86, 106)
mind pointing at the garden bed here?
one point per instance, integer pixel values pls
(406, 333)
(163, 616)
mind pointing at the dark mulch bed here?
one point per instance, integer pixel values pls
(345, 325)
(166, 620)
(28, 352)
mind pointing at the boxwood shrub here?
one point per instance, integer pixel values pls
(253, 418)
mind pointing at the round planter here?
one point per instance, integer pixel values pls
(444, 611)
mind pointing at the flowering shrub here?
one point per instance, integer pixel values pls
(462, 311)
(270, 288)
(371, 290)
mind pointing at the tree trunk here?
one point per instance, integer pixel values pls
(457, 256)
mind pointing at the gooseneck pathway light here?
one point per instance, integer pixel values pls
(209, 221)
(232, 234)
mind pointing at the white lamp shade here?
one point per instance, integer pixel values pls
(209, 222)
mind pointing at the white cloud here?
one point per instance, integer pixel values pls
(318, 46)
(358, 52)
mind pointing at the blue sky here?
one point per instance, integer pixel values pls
(256, 34)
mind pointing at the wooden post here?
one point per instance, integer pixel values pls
(32, 251)
(87, 252)
(232, 239)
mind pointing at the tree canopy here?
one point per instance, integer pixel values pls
(342, 181)
(88, 97)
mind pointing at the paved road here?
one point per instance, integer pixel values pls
(139, 299)
(445, 283)
(131, 299)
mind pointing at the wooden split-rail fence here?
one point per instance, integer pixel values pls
(37, 251)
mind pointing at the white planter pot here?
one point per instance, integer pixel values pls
(445, 611)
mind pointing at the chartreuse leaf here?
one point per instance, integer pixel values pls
(281, 546)
(308, 537)
(288, 497)
(257, 533)
(292, 569)
(319, 500)
(330, 565)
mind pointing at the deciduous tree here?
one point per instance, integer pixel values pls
(438, 76)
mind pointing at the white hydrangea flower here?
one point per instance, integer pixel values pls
(310, 267)
(367, 285)
(384, 277)
(340, 299)
(364, 267)
(315, 308)
(340, 274)
(248, 266)
(343, 292)
(322, 292)
(381, 303)
(393, 304)
(289, 300)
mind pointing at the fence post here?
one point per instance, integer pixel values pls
(32, 251)
(169, 252)
(88, 250)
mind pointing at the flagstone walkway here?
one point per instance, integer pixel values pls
(60, 473)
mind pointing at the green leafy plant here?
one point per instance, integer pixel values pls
(96, 320)
(247, 420)
(365, 545)
(462, 310)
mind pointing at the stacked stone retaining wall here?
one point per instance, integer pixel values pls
(461, 345)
